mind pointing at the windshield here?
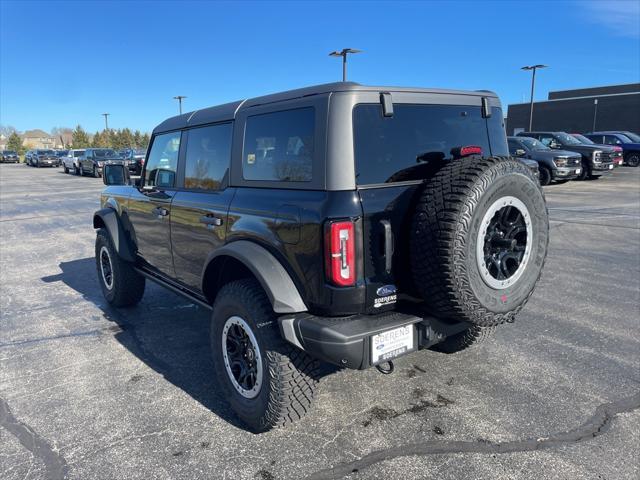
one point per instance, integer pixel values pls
(533, 144)
(583, 139)
(105, 153)
(568, 139)
(78, 153)
(632, 136)
(9, 152)
(46, 152)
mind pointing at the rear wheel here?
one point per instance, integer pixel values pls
(463, 340)
(479, 240)
(633, 159)
(267, 381)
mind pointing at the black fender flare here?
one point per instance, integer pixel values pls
(108, 218)
(276, 282)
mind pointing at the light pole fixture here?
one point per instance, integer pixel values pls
(595, 113)
(179, 98)
(106, 121)
(343, 53)
(533, 83)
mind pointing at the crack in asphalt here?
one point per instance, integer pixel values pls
(55, 465)
(596, 425)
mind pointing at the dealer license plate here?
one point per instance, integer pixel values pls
(578, 171)
(391, 344)
(611, 167)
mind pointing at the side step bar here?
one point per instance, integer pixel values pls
(180, 290)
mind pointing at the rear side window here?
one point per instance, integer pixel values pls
(208, 154)
(397, 148)
(279, 146)
(160, 170)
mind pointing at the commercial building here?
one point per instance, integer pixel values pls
(615, 107)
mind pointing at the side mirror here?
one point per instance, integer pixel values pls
(115, 174)
(520, 152)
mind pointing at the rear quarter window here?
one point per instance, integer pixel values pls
(279, 146)
(394, 149)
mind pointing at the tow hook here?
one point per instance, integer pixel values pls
(385, 371)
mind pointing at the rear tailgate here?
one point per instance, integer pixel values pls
(393, 156)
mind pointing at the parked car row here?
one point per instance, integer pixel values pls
(562, 157)
(41, 158)
(90, 161)
(9, 156)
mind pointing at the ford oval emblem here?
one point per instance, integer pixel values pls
(380, 347)
(386, 290)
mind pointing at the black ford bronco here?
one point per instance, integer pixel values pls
(338, 223)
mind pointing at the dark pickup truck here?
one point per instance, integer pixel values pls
(596, 159)
(553, 165)
(339, 223)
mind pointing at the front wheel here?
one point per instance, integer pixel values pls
(267, 381)
(545, 176)
(121, 285)
(585, 171)
(66, 170)
(633, 159)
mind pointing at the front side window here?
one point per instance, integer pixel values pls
(160, 170)
(279, 146)
(208, 155)
(398, 148)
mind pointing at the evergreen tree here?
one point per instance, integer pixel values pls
(125, 138)
(145, 141)
(79, 138)
(15, 143)
(98, 141)
(137, 139)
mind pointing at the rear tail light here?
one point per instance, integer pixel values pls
(460, 152)
(340, 253)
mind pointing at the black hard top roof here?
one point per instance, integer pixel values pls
(228, 111)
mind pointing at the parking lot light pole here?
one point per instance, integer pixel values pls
(595, 113)
(533, 84)
(179, 98)
(343, 53)
(106, 122)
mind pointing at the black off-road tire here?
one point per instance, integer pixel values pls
(66, 170)
(632, 159)
(545, 176)
(127, 285)
(463, 340)
(445, 238)
(290, 376)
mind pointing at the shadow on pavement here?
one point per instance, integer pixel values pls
(165, 331)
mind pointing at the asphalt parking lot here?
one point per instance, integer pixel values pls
(87, 391)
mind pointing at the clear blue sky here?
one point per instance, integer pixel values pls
(65, 63)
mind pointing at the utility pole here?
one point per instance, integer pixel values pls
(533, 84)
(595, 113)
(106, 122)
(179, 98)
(343, 53)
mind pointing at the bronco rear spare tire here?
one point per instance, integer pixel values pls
(479, 240)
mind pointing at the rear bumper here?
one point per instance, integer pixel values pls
(346, 341)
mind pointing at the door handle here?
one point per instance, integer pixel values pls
(211, 220)
(160, 212)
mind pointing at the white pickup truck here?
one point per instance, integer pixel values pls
(70, 163)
